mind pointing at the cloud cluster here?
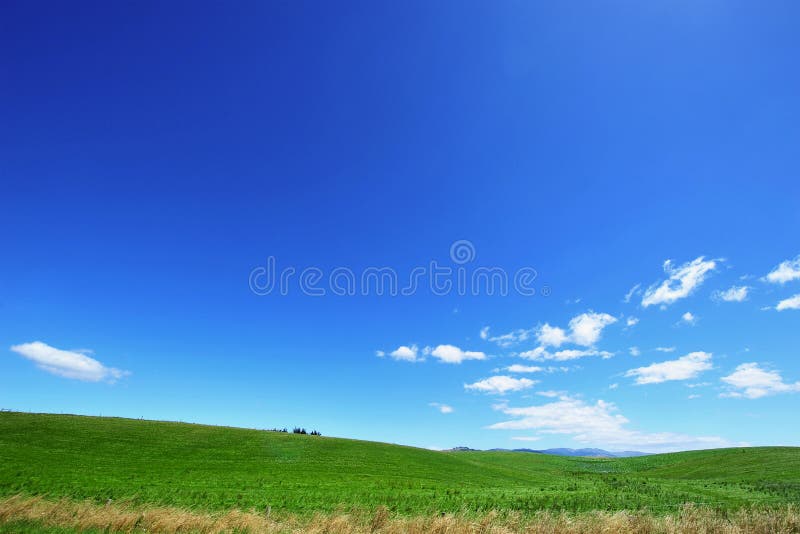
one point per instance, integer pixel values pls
(68, 364)
(584, 330)
(681, 282)
(749, 380)
(443, 353)
(683, 368)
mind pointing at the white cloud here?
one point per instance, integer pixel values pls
(68, 364)
(406, 353)
(550, 393)
(526, 438)
(683, 368)
(635, 351)
(512, 338)
(542, 354)
(539, 354)
(599, 424)
(665, 349)
(682, 281)
(689, 318)
(552, 336)
(613, 386)
(516, 368)
(485, 332)
(453, 354)
(380, 353)
(586, 328)
(635, 290)
(792, 303)
(500, 384)
(443, 408)
(751, 381)
(694, 396)
(786, 271)
(733, 294)
(632, 321)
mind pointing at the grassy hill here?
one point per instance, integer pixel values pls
(218, 468)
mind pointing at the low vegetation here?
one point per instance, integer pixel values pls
(64, 467)
(21, 515)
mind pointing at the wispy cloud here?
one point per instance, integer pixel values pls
(516, 368)
(542, 354)
(732, 294)
(551, 393)
(749, 380)
(68, 364)
(792, 303)
(443, 408)
(681, 282)
(599, 424)
(683, 368)
(500, 384)
(512, 338)
(635, 290)
(688, 318)
(786, 271)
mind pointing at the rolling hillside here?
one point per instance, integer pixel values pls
(218, 468)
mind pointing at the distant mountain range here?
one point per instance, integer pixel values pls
(595, 453)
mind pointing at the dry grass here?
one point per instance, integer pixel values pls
(122, 518)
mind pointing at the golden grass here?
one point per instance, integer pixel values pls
(123, 518)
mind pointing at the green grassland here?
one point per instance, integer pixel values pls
(217, 468)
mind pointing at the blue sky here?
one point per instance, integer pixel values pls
(154, 157)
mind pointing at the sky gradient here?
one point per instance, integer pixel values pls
(639, 158)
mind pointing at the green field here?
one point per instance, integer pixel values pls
(218, 468)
